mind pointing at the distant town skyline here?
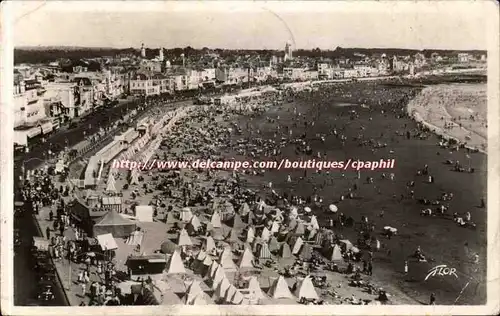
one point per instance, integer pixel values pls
(408, 26)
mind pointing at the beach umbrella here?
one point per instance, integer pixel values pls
(333, 208)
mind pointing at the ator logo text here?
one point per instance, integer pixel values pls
(441, 270)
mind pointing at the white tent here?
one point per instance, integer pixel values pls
(280, 289)
(110, 186)
(220, 274)
(314, 222)
(226, 260)
(209, 244)
(244, 209)
(184, 239)
(175, 264)
(305, 288)
(275, 227)
(265, 234)
(201, 255)
(144, 213)
(193, 291)
(298, 244)
(107, 242)
(222, 288)
(254, 288)
(134, 177)
(231, 291)
(186, 214)
(215, 220)
(246, 259)
(250, 235)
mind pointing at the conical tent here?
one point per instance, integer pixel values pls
(292, 224)
(201, 255)
(222, 288)
(226, 260)
(297, 245)
(335, 254)
(250, 235)
(194, 225)
(280, 289)
(209, 244)
(264, 252)
(230, 294)
(232, 236)
(207, 261)
(220, 274)
(314, 222)
(193, 291)
(115, 224)
(184, 239)
(199, 300)
(213, 269)
(312, 234)
(134, 177)
(186, 215)
(244, 209)
(170, 218)
(273, 244)
(265, 235)
(299, 229)
(275, 227)
(285, 251)
(305, 288)
(175, 264)
(215, 220)
(246, 259)
(254, 288)
(110, 186)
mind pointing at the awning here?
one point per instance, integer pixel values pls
(35, 131)
(47, 127)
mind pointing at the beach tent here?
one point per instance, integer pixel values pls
(299, 229)
(346, 244)
(110, 186)
(279, 289)
(220, 274)
(312, 234)
(244, 209)
(194, 290)
(169, 218)
(134, 177)
(232, 296)
(306, 252)
(254, 288)
(273, 244)
(264, 252)
(222, 288)
(144, 213)
(115, 224)
(285, 251)
(292, 224)
(217, 234)
(265, 234)
(275, 227)
(246, 259)
(297, 246)
(213, 269)
(314, 222)
(334, 253)
(226, 260)
(305, 288)
(194, 225)
(215, 220)
(250, 235)
(293, 213)
(175, 264)
(184, 239)
(201, 255)
(209, 244)
(232, 236)
(168, 247)
(186, 215)
(250, 218)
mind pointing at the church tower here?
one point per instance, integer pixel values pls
(160, 55)
(143, 51)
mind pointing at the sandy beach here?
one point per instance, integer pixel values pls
(455, 110)
(374, 113)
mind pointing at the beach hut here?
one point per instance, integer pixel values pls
(175, 264)
(305, 289)
(279, 289)
(254, 289)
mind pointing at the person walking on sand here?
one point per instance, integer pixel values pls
(432, 300)
(406, 267)
(47, 232)
(84, 288)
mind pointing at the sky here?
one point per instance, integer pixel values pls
(262, 25)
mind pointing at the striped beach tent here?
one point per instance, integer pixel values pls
(264, 252)
(273, 244)
(297, 245)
